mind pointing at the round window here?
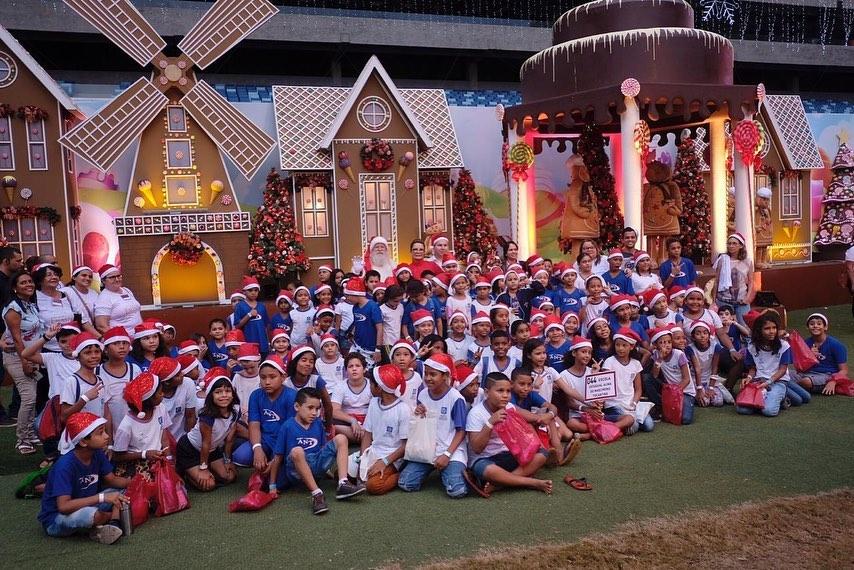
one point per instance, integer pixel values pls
(374, 114)
(8, 70)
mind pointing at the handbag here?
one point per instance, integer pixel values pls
(671, 404)
(421, 444)
(802, 355)
(751, 396)
(518, 435)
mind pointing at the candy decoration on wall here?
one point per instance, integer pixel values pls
(630, 87)
(144, 187)
(409, 184)
(139, 202)
(746, 139)
(345, 165)
(760, 96)
(641, 137)
(226, 200)
(26, 193)
(343, 184)
(216, 189)
(499, 112)
(404, 161)
(520, 158)
(9, 185)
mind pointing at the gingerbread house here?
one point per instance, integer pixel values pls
(38, 214)
(366, 160)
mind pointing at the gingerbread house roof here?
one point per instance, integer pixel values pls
(44, 78)
(790, 127)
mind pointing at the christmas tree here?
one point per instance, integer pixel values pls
(474, 230)
(695, 221)
(275, 246)
(591, 147)
(837, 220)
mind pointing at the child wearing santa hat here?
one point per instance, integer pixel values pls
(616, 280)
(459, 300)
(392, 312)
(330, 365)
(233, 340)
(643, 278)
(424, 324)
(280, 344)
(282, 318)
(147, 344)
(351, 399)
(179, 391)
(204, 452)
(419, 300)
(467, 383)
(458, 341)
(79, 495)
(386, 428)
(627, 367)
(498, 361)
(367, 321)
(84, 391)
(234, 299)
(403, 355)
(302, 316)
(217, 353)
(140, 440)
(670, 366)
(301, 374)
(324, 318)
(246, 381)
(481, 328)
(448, 407)
(250, 315)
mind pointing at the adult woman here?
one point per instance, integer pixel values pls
(54, 305)
(116, 306)
(511, 254)
(419, 265)
(79, 291)
(734, 272)
(600, 262)
(23, 326)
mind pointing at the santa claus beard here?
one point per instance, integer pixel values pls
(382, 263)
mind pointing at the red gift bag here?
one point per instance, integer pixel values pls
(844, 386)
(671, 404)
(139, 492)
(751, 396)
(518, 436)
(603, 431)
(802, 355)
(544, 438)
(50, 426)
(256, 482)
(254, 500)
(171, 494)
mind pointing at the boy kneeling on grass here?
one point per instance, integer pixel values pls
(80, 492)
(303, 448)
(490, 460)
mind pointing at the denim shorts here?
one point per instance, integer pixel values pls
(81, 519)
(504, 460)
(319, 463)
(614, 413)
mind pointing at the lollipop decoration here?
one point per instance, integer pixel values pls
(630, 87)
(409, 184)
(345, 165)
(760, 96)
(520, 158)
(9, 185)
(499, 112)
(746, 139)
(26, 194)
(216, 189)
(641, 137)
(344, 184)
(404, 161)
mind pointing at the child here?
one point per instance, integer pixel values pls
(627, 368)
(204, 452)
(424, 324)
(250, 315)
(233, 341)
(78, 495)
(482, 301)
(767, 361)
(734, 329)
(499, 317)
(467, 383)
(330, 365)
(179, 392)
(571, 324)
(676, 270)
(677, 295)
(351, 400)
(343, 320)
(542, 414)
(269, 407)
(643, 279)
(568, 297)
(706, 356)
(418, 300)
(832, 358)
(621, 317)
(459, 300)
(572, 382)
(520, 331)
(323, 295)
(670, 366)
(246, 381)
(386, 428)
(368, 321)
(301, 375)
(324, 316)
(217, 354)
(498, 361)
(600, 337)
(512, 298)
(280, 343)
(284, 304)
(302, 316)
(544, 376)
(660, 313)
(392, 313)
(597, 301)
(302, 447)
(116, 372)
(447, 405)
(59, 365)
(372, 279)
(616, 280)
(490, 460)
(234, 299)
(403, 355)
(324, 277)
(480, 347)
(140, 439)
(147, 344)
(557, 345)
(168, 331)
(84, 391)
(458, 341)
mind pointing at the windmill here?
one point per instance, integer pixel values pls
(102, 138)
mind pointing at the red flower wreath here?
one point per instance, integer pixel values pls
(377, 155)
(186, 248)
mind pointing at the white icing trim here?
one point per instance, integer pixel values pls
(576, 12)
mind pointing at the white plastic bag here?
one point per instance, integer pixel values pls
(421, 444)
(642, 410)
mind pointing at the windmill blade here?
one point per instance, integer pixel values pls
(225, 24)
(233, 133)
(122, 23)
(103, 137)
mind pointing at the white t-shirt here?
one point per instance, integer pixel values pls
(413, 385)
(671, 318)
(478, 307)
(453, 305)
(219, 430)
(544, 382)
(641, 283)
(767, 363)
(56, 312)
(137, 435)
(243, 387)
(515, 352)
(704, 357)
(459, 349)
(577, 383)
(477, 418)
(671, 370)
(122, 308)
(625, 374)
(175, 407)
(332, 372)
(388, 426)
(59, 369)
(392, 319)
(353, 403)
(592, 311)
(74, 389)
(302, 321)
(487, 365)
(83, 303)
(114, 386)
(450, 413)
(345, 311)
(31, 323)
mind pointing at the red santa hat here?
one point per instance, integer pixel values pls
(464, 375)
(699, 324)
(593, 322)
(517, 267)
(234, 337)
(592, 277)
(298, 351)
(439, 238)
(558, 268)
(677, 291)
(80, 269)
(390, 379)
(541, 272)
(321, 288)
(449, 260)
(627, 335)
(618, 301)
(441, 362)
(108, 270)
(324, 267)
(567, 270)
(694, 289)
(457, 314)
(327, 337)
(279, 333)
(81, 341)
(250, 282)
(652, 296)
(212, 376)
(302, 288)
(403, 343)
(165, 367)
(570, 314)
(534, 260)
(421, 316)
(657, 333)
(494, 275)
(140, 389)
(355, 286)
(639, 256)
(401, 268)
(74, 327)
(580, 342)
(188, 346)
(819, 316)
(750, 317)
(471, 266)
(480, 317)
(377, 240)
(454, 278)
(145, 328)
(615, 253)
(442, 280)
(498, 307)
(285, 295)
(471, 256)
(553, 322)
(739, 237)
(78, 426)
(188, 363)
(276, 362)
(537, 314)
(481, 282)
(237, 295)
(324, 310)
(248, 351)
(165, 326)
(115, 334)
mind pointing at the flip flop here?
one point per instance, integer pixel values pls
(578, 484)
(571, 451)
(473, 483)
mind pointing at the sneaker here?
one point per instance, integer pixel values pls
(318, 504)
(787, 403)
(347, 489)
(105, 534)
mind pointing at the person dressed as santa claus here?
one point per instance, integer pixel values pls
(378, 258)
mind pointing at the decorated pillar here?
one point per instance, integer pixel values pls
(745, 138)
(519, 160)
(631, 163)
(717, 160)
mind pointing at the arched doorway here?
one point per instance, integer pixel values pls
(173, 283)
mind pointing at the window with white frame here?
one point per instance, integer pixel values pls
(378, 208)
(761, 181)
(33, 236)
(315, 215)
(7, 153)
(433, 206)
(36, 145)
(790, 196)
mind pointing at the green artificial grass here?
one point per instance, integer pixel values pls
(721, 460)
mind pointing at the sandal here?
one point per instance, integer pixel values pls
(571, 451)
(474, 484)
(25, 448)
(578, 484)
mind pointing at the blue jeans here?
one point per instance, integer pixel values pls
(647, 425)
(687, 409)
(81, 519)
(244, 455)
(797, 394)
(319, 462)
(413, 474)
(773, 400)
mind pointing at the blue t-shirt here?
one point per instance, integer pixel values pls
(143, 362)
(70, 476)
(278, 321)
(554, 355)
(292, 435)
(831, 354)
(217, 355)
(735, 336)
(565, 301)
(365, 320)
(685, 278)
(431, 305)
(638, 326)
(532, 400)
(255, 329)
(271, 414)
(619, 285)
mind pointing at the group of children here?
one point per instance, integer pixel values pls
(414, 373)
